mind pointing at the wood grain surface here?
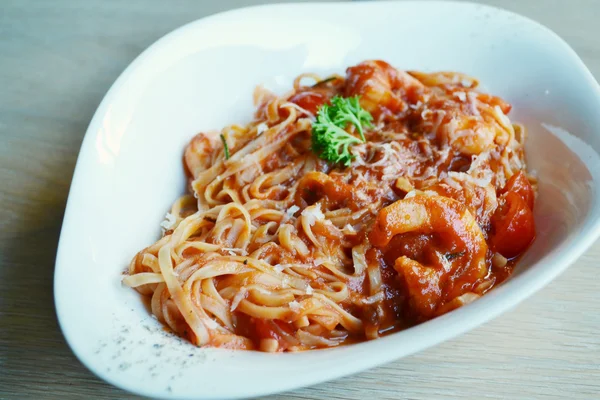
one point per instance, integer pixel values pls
(58, 59)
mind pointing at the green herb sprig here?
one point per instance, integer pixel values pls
(330, 140)
(225, 147)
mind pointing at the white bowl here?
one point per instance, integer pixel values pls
(201, 77)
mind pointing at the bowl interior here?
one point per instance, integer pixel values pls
(201, 77)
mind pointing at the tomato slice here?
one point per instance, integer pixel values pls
(519, 184)
(513, 228)
(310, 101)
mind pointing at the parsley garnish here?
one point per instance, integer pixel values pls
(329, 138)
(225, 146)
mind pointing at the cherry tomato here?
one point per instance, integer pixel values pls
(310, 101)
(519, 184)
(513, 227)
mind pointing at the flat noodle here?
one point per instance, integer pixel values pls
(275, 249)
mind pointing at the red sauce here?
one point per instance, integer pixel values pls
(513, 228)
(447, 240)
(311, 101)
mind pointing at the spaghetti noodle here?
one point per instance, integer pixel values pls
(276, 249)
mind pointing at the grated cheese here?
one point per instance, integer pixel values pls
(313, 214)
(410, 194)
(294, 305)
(439, 118)
(261, 128)
(169, 222)
(416, 106)
(320, 261)
(361, 195)
(349, 230)
(482, 181)
(452, 183)
(232, 251)
(462, 96)
(239, 296)
(278, 268)
(472, 97)
(485, 178)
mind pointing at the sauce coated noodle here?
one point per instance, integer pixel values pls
(274, 249)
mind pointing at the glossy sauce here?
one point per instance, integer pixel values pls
(436, 249)
(508, 231)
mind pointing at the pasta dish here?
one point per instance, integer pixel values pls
(350, 207)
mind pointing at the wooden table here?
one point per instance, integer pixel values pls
(58, 59)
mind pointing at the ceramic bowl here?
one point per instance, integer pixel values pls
(201, 77)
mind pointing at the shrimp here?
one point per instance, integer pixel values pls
(447, 261)
(469, 128)
(466, 134)
(198, 154)
(380, 86)
(480, 200)
(469, 121)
